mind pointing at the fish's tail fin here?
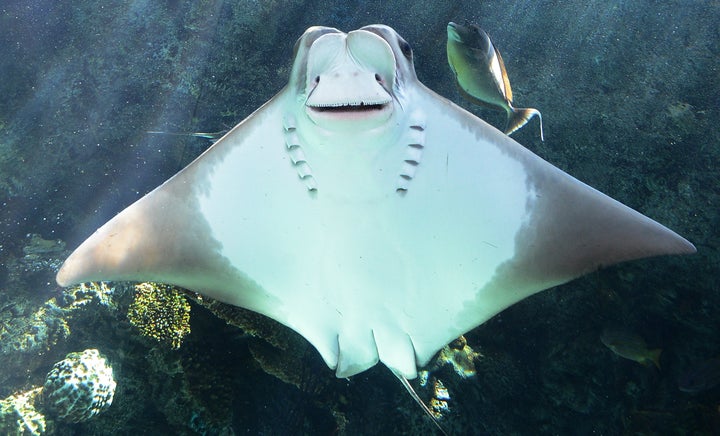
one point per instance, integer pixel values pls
(654, 357)
(519, 117)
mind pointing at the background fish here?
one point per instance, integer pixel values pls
(480, 74)
(630, 346)
(702, 377)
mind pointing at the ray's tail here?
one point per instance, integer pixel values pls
(408, 387)
(519, 117)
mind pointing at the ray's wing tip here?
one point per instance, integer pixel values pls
(676, 245)
(73, 271)
(62, 281)
(64, 277)
(686, 247)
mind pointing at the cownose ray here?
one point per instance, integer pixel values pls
(372, 216)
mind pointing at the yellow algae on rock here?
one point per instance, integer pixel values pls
(160, 312)
(460, 356)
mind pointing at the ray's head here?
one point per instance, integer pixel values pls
(351, 80)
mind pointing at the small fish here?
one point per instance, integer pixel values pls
(630, 346)
(480, 74)
(702, 377)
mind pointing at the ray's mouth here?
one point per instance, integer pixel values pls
(350, 102)
(352, 116)
(348, 107)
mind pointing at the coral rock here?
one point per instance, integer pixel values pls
(18, 415)
(79, 387)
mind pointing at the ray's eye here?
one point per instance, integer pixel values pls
(406, 49)
(378, 78)
(317, 79)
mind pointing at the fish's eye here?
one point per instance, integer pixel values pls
(406, 49)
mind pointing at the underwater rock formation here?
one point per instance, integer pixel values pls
(76, 389)
(18, 415)
(459, 355)
(38, 257)
(79, 386)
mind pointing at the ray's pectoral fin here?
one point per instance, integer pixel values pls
(166, 236)
(163, 238)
